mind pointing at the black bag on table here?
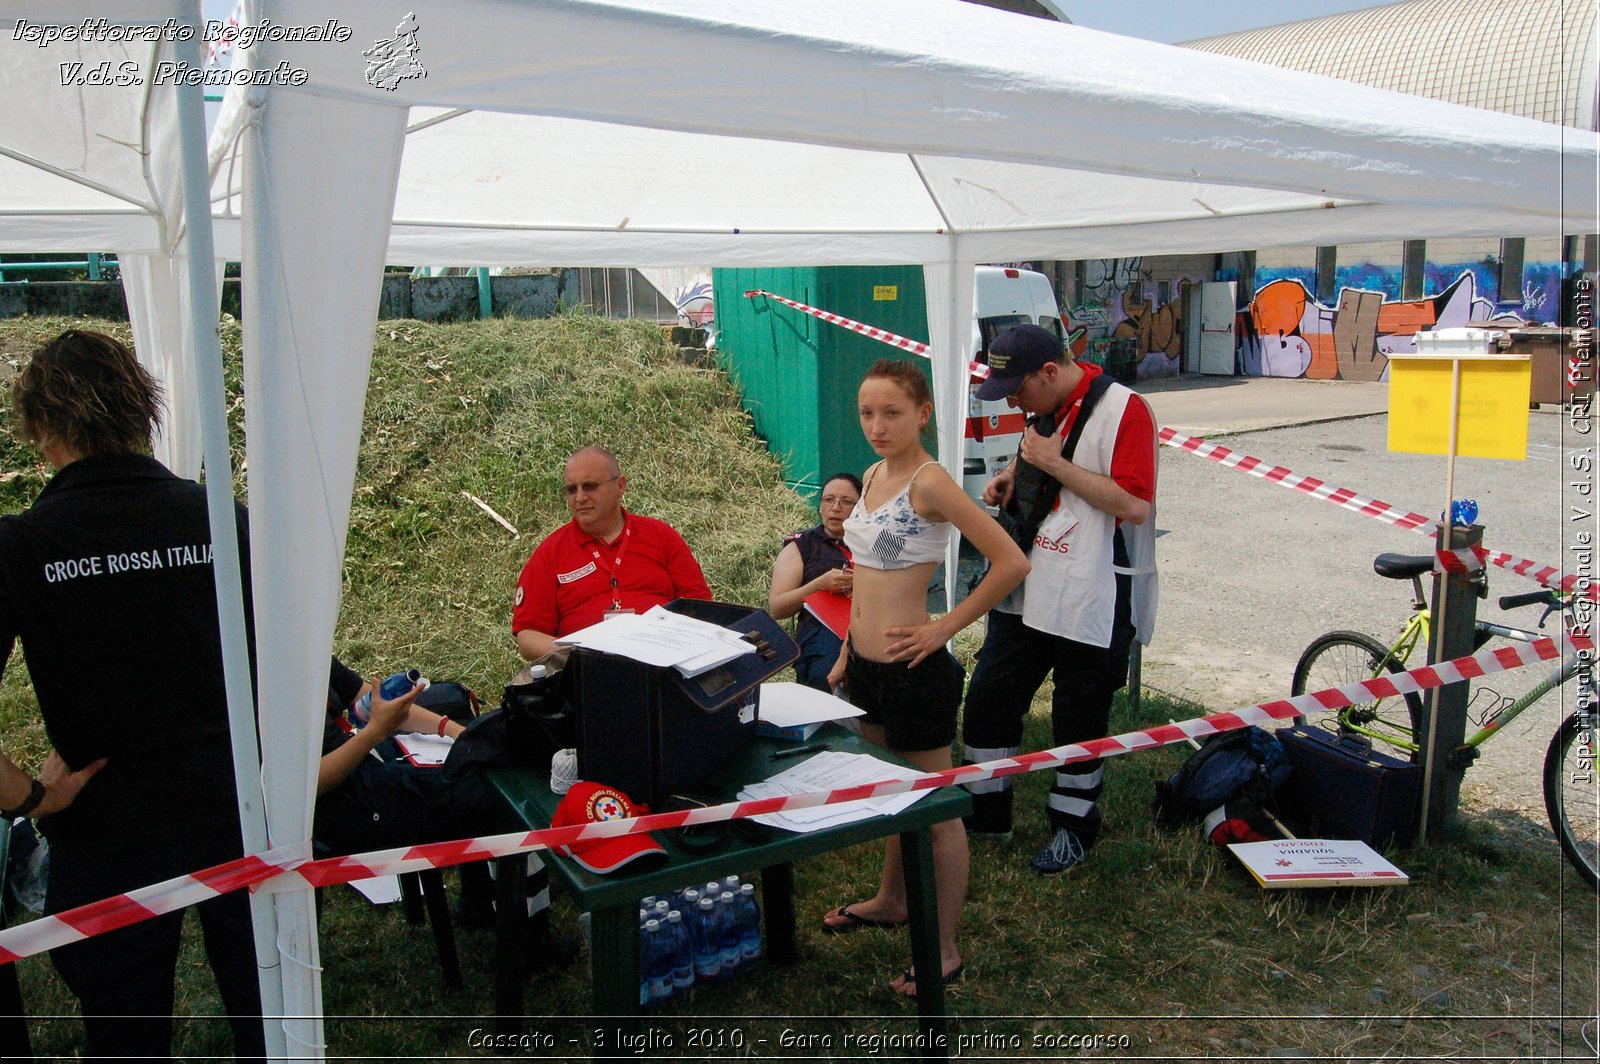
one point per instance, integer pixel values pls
(450, 699)
(532, 722)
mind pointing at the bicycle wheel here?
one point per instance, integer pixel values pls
(1572, 797)
(1338, 658)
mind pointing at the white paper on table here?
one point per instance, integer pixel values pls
(379, 890)
(725, 645)
(789, 705)
(661, 638)
(424, 749)
(830, 771)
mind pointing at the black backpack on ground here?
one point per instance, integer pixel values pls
(1242, 764)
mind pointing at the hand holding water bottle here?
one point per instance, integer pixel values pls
(385, 705)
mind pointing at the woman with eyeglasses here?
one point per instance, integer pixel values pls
(812, 562)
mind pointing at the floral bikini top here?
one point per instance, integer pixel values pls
(894, 536)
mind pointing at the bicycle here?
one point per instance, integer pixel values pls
(1571, 797)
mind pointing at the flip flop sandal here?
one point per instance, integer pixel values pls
(911, 979)
(854, 922)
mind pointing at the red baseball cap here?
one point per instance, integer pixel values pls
(591, 803)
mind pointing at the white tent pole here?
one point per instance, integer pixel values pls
(224, 524)
(949, 329)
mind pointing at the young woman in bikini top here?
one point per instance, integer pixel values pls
(895, 665)
(899, 529)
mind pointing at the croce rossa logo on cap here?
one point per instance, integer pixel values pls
(607, 805)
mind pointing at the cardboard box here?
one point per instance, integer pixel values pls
(1551, 349)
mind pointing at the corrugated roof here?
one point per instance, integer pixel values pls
(1534, 58)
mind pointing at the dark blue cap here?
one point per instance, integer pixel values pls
(1016, 353)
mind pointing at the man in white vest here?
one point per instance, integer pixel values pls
(1081, 500)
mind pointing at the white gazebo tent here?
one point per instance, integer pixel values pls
(743, 132)
(756, 131)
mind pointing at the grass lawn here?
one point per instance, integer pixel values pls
(1159, 947)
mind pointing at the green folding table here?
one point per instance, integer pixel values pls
(613, 900)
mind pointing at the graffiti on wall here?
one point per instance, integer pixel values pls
(1157, 331)
(1117, 301)
(1285, 332)
(1105, 279)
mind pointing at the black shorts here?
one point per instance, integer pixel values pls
(915, 707)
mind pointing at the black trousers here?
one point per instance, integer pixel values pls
(124, 979)
(384, 806)
(1011, 666)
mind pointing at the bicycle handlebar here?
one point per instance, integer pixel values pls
(1546, 597)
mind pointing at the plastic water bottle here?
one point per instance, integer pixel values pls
(707, 944)
(688, 901)
(657, 964)
(728, 934)
(682, 952)
(391, 688)
(661, 909)
(744, 903)
(644, 967)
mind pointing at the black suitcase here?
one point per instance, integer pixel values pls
(1347, 790)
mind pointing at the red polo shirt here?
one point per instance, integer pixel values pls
(566, 585)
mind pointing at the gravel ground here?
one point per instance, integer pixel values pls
(1252, 572)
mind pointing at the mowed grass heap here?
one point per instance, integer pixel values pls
(1159, 947)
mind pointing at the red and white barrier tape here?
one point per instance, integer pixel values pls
(1374, 508)
(1465, 560)
(273, 872)
(978, 370)
(121, 910)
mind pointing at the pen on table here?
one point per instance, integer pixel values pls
(811, 748)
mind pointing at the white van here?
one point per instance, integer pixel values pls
(1002, 297)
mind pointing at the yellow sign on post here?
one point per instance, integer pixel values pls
(1493, 419)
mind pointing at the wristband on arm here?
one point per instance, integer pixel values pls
(29, 804)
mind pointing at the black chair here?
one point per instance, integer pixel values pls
(422, 897)
(425, 890)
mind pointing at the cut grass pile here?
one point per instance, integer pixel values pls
(1159, 946)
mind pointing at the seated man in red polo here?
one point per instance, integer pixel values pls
(606, 560)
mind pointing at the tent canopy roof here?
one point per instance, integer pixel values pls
(756, 132)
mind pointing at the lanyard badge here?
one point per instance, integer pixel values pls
(612, 570)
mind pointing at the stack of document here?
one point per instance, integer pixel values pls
(829, 771)
(660, 637)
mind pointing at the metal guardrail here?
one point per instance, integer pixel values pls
(92, 262)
